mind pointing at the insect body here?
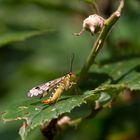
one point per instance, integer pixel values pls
(54, 88)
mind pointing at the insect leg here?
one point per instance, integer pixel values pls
(55, 95)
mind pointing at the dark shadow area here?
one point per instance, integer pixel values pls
(10, 59)
(94, 80)
(127, 114)
(120, 58)
(138, 68)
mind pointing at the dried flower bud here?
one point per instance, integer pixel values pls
(93, 24)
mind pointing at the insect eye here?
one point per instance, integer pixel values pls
(70, 73)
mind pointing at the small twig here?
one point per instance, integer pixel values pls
(121, 6)
(100, 41)
(95, 7)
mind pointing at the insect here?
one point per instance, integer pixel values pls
(55, 87)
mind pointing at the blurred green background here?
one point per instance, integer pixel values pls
(36, 45)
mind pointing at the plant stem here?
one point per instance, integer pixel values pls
(100, 41)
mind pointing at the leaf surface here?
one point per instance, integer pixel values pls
(14, 36)
(125, 74)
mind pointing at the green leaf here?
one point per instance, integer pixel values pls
(104, 93)
(9, 37)
(36, 114)
(121, 75)
(125, 72)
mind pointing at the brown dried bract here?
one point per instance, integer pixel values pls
(93, 24)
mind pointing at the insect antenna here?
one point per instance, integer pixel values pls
(71, 62)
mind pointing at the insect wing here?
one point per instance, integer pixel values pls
(43, 88)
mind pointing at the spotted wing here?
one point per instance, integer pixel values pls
(43, 88)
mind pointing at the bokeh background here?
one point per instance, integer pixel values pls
(36, 45)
